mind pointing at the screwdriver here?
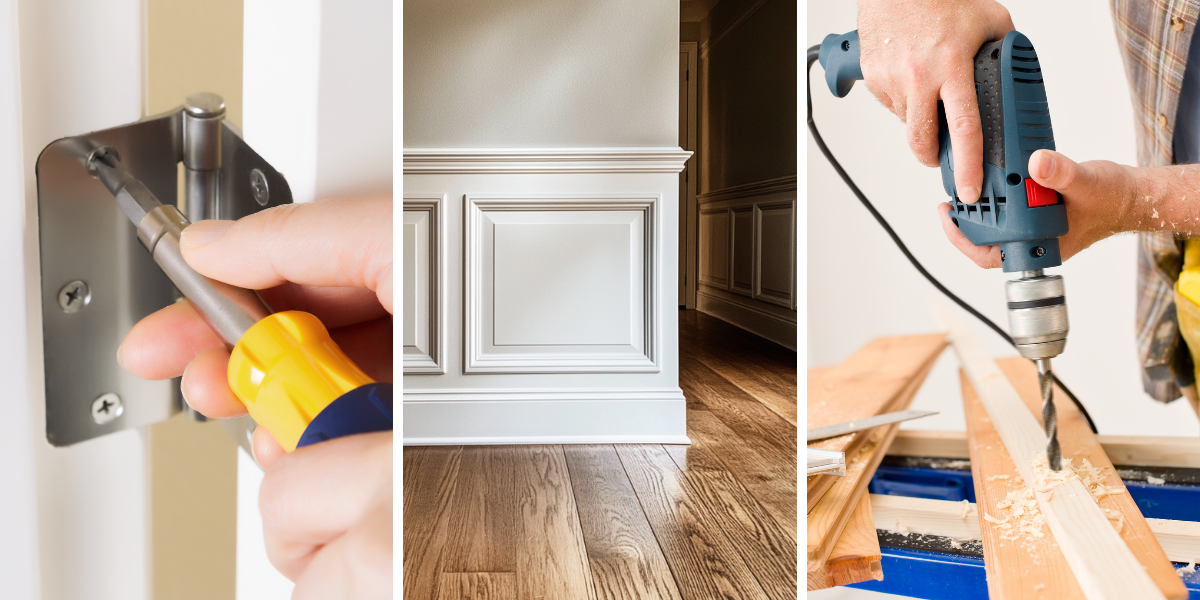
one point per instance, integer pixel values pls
(284, 367)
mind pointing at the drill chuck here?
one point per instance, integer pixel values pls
(1037, 314)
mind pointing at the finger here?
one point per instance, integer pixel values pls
(356, 565)
(343, 242)
(966, 135)
(987, 257)
(267, 449)
(317, 493)
(922, 126)
(205, 385)
(334, 306)
(369, 345)
(161, 345)
(1053, 170)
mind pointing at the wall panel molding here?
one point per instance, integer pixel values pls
(424, 281)
(431, 161)
(561, 283)
(750, 190)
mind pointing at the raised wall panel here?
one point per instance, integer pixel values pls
(422, 324)
(776, 252)
(561, 284)
(742, 251)
(714, 248)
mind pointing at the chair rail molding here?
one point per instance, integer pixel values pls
(430, 161)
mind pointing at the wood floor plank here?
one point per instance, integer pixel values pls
(477, 586)
(772, 484)
(484, 522)
(551, 558)
(702, 558)
(430, 475)
(766, 548)
(625, 558)
(763, 430)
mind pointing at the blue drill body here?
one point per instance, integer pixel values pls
(1013, 211)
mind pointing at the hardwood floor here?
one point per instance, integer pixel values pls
(716, 519)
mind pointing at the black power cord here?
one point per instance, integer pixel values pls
(812, 128)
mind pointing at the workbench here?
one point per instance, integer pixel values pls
(937, 568)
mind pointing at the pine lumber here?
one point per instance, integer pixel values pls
(829, 518)
(1093, 553)
(1127, 450)
(960, 521)
(881, 377)
(857, 556)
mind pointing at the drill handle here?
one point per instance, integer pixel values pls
(840, 59)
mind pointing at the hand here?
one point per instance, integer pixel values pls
(1100, 200)
(913, 53)
(326, 508)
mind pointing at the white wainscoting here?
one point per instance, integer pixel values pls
(558, 316)
(424, 348)
(748, 257)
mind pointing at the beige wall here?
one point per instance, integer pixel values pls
(193, 466)
(748, 93)
(540, 73)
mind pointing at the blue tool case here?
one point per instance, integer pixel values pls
(938, 568)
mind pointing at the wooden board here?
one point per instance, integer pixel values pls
(1179, 539)
(1102, 564)
(857, 556)
(551, 558)
(430, 477)
(881, 377)
(828, 519)
(477, 586)
(1126, 450)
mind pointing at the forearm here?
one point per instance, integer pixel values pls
(1164, 199)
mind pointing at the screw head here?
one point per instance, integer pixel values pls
(107, 408)
(74, 296)
(258, 184)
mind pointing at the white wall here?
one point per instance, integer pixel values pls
(860, 286)
(540, 73)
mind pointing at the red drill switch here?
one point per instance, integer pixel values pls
(1038, 195)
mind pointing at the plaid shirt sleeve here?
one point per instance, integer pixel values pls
(1154, 37)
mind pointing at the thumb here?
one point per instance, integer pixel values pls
(1055, 171)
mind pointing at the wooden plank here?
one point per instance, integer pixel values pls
(430, 475)
(857, 556)
(828, 519)
(625, 558)
(819, 484)
(1179, 539)
(772, 484)
(484, 526)
(763, 430)
(768, 550)
(1103, 565)
(702, 558)
(476, 586)
(1127, 450)
(551, 557)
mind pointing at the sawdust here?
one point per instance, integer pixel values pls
(1188, 570)
(1152, 480)
(1022, 519)
(966, 509)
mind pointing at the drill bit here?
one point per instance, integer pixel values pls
(1049, 415)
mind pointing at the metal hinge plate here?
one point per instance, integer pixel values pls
(91, 258)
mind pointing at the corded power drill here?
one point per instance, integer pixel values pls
(1013, 211)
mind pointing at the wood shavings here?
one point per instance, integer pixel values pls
(1152, 480)
(1039, 587)
(995, 477)
(1188, 570)
(966, 509)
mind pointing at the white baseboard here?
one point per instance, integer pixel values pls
(759, 322)
(460, 417)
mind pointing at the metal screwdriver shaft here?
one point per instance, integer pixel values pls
(1049, 414)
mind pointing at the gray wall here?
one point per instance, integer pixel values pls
(748, 91)
(540, 73)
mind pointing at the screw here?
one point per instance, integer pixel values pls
(1039, 251)
(258, 183)
(107, 408)
(74, 296)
